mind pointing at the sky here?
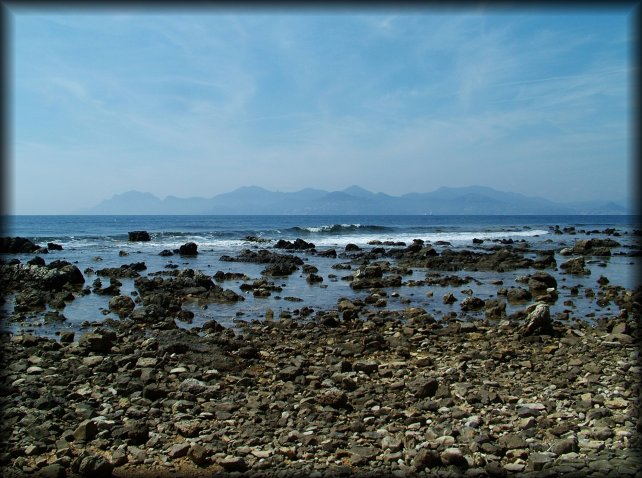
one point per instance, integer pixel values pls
(200, 102)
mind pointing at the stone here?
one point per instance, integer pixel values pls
(198, 454)
(424, 387)
(564, 446)
(426, 458)
(453, 456)
(122, 305)
(86, 431)
(333, 397)
(233, 463)
(188, 249)
(538, 321)
(178, 450)
(95, 466)
(55, 470)
(139, 236)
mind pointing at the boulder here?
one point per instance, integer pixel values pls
(188, 249)
(575, 266)
(122, 305)
(538, 321)
(138, 236)
(16, 245)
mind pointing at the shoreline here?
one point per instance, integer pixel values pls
(372, 385)
(391, 395)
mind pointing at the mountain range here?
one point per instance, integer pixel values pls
(353, 200)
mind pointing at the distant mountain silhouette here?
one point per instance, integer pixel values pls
(353, 200)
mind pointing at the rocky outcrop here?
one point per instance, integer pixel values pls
(17, 245)
(138, 236)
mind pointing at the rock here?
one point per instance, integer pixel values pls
(178, 450)
(352, 248)
(538, 321)
(122, 305)
(314, 278)
(540, 281)
(298, 244)
(100, 342)
(575, 266)
(55, 470)
(453, 456)
(86, 431)
(564, 446)
(518, 294)
(16, 245)
(426, 458)
(139, 236)
(95, 466)
(424, 387)
(512, 441)
(233, 463)
(537, 461)
(472, 303)
(198, 454)
(52, 246)
(188, 249)
(333, 397)
(449, 298)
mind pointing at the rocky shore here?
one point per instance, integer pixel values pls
(354, 390)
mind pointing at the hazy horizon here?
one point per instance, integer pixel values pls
(196, 103)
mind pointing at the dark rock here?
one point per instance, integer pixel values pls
(449, 298)
(188, 249)
(232, 464)
(52, 246)
(95, 466)
(86, 431)
(564, 446)
(198, 454)
(16, 245)
(426, 458)
(518, 295)
(424, 387)
(142, 236)
(122, 305)
(453, 456)
(165, 253)
(575, 266)
(55, 470)
(471, 303)
(352, 248)
(100, 342)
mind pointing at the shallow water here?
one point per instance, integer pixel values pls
(98, 242)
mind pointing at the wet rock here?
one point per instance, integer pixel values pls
(298, 244)
(575, 266)
(472, 303)
(138, 236)
(188, 249)
(518, 295)
(122, 305)
(17, 245)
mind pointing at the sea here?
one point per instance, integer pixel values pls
(101, 241)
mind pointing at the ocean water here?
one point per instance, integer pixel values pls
(98, 242)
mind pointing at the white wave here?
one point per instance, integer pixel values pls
(456, 238)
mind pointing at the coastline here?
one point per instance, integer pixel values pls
(493, 377)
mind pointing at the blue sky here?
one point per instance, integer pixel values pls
(197, 103)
